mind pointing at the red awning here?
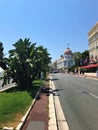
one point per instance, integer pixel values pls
(90, 66)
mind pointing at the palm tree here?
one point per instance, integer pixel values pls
(25, 63)
(21, 63)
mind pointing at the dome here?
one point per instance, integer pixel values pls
(68, 52)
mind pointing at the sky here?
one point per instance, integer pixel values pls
(51, 23)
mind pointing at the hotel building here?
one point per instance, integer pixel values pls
(93, 43)
(65, 61)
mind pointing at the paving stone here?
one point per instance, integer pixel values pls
(36, 125)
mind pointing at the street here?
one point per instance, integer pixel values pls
(79, 100)
(6, 86)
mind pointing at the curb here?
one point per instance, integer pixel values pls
(22, 121)
(57, 119)
(86, 76)
(27, 113)
(52, 123)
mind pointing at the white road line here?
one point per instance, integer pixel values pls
(93, 95)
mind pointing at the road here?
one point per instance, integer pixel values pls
(6, 86)
(79, 100)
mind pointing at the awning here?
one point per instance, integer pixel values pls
(90, 66)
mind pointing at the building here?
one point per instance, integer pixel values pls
(65, 61)
(93, 44)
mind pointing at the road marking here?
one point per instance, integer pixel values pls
(93, 95)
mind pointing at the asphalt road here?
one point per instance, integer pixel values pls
(6, 86)
(79, 100)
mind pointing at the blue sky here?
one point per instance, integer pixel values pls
(51, 23)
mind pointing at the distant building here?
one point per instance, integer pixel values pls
(53, 65)
(93, 43)
(66, 60)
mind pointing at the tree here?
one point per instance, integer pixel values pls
(77, 57)
(25, 63)
(85, 57)
(3, 61)
(43, 60)
(81, 58)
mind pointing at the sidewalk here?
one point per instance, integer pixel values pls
(87, 76)
(42, 115)
(38, 117)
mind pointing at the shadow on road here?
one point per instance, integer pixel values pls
(54, 79)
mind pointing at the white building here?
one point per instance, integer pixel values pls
(65, 61)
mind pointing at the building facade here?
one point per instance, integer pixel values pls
(93, 43)
(65, 61)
